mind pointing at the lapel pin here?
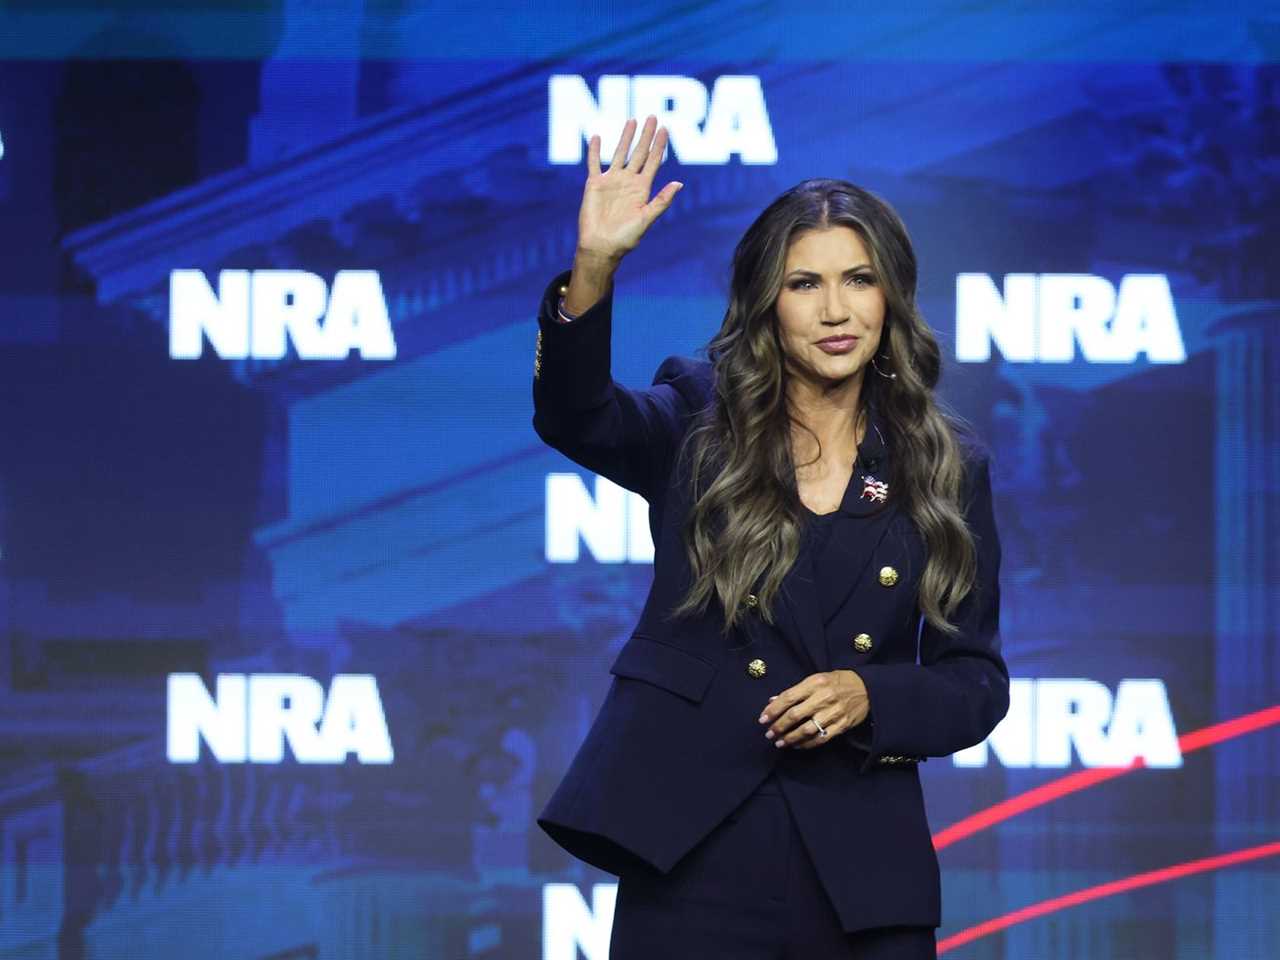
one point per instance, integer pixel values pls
(873, 489)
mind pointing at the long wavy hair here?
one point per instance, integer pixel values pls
(745, 526)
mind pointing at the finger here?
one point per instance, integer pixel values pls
(624, 144)
(793, 717)
(810, 736)
(659, 204)
(781, 702)
(654, 158)
(801, 734)
(593, 155)
(641, 152)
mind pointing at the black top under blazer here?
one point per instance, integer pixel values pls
(677, 746)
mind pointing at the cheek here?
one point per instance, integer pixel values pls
(876, 317)
(787, 312)
(790, 324)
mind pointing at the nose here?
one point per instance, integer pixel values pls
(834, 310)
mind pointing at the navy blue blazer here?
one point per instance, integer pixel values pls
(677, 746)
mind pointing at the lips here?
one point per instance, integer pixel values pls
(837, 344)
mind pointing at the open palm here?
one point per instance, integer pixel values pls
(616, 209)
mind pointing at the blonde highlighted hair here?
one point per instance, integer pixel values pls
(746, 521)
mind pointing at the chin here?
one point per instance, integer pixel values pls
(840, 368)
(846, 364)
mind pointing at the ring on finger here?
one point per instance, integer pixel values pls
(822, 731)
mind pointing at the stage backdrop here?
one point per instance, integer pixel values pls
(300, 623)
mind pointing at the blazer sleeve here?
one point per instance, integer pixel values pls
(954, 697)
(629, 436)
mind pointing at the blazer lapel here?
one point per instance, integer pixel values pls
(864, 516)
(853, 541)
(816, 587)
(802, 617)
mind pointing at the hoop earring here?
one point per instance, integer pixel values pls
(887, 376)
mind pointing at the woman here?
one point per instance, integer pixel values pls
(751, 776)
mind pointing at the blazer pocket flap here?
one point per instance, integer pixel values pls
(664, 665)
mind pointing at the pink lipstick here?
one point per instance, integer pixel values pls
(841, 344)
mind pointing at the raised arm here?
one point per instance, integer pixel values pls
(625, 435)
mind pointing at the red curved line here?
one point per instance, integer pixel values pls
(1080, 780)
(1109, 889)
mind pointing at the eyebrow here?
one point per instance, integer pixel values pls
(811, 273)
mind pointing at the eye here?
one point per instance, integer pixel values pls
(861, 280)
(797, 284)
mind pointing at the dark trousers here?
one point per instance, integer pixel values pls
(748, 891)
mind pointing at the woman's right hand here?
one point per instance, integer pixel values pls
(616, 209)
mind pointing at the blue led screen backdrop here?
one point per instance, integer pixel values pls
(300, 623)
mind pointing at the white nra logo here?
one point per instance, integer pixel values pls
(1043, 317)
(702, 128)
(257, 313)
(252, 717)
(614, 524)
(570, 926)
(1048, 718)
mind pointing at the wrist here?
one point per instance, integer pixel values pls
(563, 316)
(868, 720)
(590, 280)
(594, 262)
